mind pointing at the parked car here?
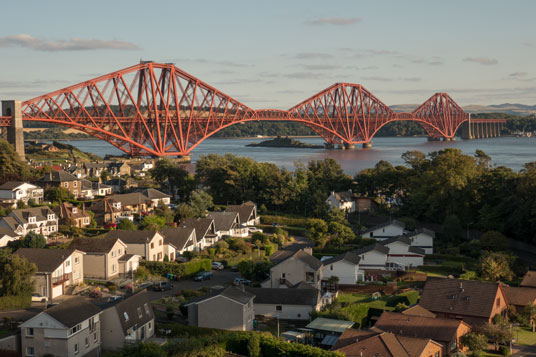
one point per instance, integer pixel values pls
(275, 224)
(39, 298)
(114, 298)
(204, 275)
(254, 230)
(242, 281)
(217, 266)
(162, 286)
(110, 225)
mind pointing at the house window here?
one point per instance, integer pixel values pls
(371, 234)
(498, 302)
(87, 342)
(75, 329)
(119, 251)
(92, 324)
(76, 348)
(139, 313)
(150, 326)
(279, 308)
(76, 260)
(160, 243)
(68, 263)
(283, 275)
(331, 267)
(309, 277)
(159, 256)
(29, 332)
(437, 354)
(30, 351)
(95, 337)
(146, 308)
(75, 183)
(152, 245)
(126, 316)
(113, 253)
(113, 268)
(383, 230)
(65, 184)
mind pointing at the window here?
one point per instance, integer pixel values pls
(383, 230)
(119, 251)
(68, 263)
(75, 183)
(331, 267)
(283, 275)
(152, 245)
(498, 302)
(437, 354)
(66, 184)
(146, 308)
(87, 342)
(279, 308)
(113, 268)
(113, 253)
(160, 243)
(92, 324)
(126, 316)
(76, 348)
(139, 313)
(75, 329)
(95, 337)
(150, 326)
(30, 351)
(76, 260)
(309, 277)
(371, 234)
(29, 332)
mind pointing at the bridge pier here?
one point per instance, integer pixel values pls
(15, 134)
(329, 146)
(367, 145)
(349, 146)
(430, 138)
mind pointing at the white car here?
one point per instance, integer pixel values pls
(39, 298)
(217, 266)
(254, 230)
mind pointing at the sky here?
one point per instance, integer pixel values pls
(274, 54)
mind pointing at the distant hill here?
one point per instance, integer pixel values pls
(508, 108)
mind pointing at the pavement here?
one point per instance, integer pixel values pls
(524, 351)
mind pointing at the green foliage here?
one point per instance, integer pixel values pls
(12, 168)
(504, 351)
(408, 298)
(317, 230)
(146, 349)
(497, 333)
(166, 171)
(127, 224)
(30, 240)
(16, 275)
(496, 266)
(180, 270)
(476, 342)
(494, 241)
(198, 205)
(58, 194)
(153, 223)
(162, 210)
(254, 345)
(18, 302)
(255, 271)
(269, 249)
(284, 221)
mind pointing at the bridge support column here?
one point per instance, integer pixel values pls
(329, 146)
(430, 138)
(15, 135)
(367, 145)
(466, 130)
(349, 146)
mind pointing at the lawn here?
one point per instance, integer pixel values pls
(524, 336)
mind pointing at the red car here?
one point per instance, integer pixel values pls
(110, 225)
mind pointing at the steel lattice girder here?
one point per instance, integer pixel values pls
(158, 109)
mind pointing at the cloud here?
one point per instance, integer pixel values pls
(391, 79)
(430, 62)
(38, 83)
(224, 63)
(320, 67)
(290, 91)
(73, 44)
(482, 60)
(518, 74)
(304, 75)
(311, 55)
(337, 21)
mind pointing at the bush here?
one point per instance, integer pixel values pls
(408, 298)
(178, 270)
(269, 249)
(284, 221)
(15, 302)
(505, 351)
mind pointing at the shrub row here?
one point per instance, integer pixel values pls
(284, 221)
(15, 302)
(179, 270)
(408, 298)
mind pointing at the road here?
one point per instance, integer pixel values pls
(524, 351)
(219, 278)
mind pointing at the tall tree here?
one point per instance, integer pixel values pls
(16, 275)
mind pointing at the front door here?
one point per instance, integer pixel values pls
(142, 334)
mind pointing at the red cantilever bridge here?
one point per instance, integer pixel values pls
(158, 109)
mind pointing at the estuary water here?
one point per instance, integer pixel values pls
(505, 151)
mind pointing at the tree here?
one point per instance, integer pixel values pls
(475, 342)
(146, 349)
(179, 180)
(162, 210)
(153, 223)
(12, 168)
(196, 207)
(58, 194)
(317, 229)
(340, 234)
(452, 229)
(105, 175)
(16, 275)
(127, 225)
(497, 333)
(30, 240)
(530, 312)
(494, 241)
(254, 345)
(496, 266)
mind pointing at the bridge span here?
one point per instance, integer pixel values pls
(159, 110)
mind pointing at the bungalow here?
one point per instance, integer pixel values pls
(297, 267)
(519, 297)
(402, 254)
(475, 302)
(100, 189)
(205, 231)
(147, 244)
(40, 220)
(232, 306)
(389, 229)
(247, 213)
(365, 204)
(422, 238)
(71, 215)
(179, 240)
(156, 196)
(103, 256)
(7, 235)
(57, 269)
(228, 224)
(373, 256)
(127, 321)
(344, 201)
(15, 191)
(344, 266)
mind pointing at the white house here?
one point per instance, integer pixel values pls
(36, 219)
(344, 201)
(14, 191)
(373, 256)
(228, 224)
(392, 228)
(422, 238)
(345, 267)
(156, 196)
(247, 213)
(179, 240)
(7, 235)
(402, 255)
(297, 267)
(291, 304)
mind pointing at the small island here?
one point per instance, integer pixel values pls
(286, 142)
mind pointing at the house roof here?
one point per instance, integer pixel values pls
(104, 205)
(462, 297)
(369, 248)
(351, 335)
(133, 307)
(223, 221)
(385, 224)
(245, 211)
(94, 245)
(66, 210)
(58, 176)
(132, 237)
(437, 329)
(349, 257)
(418, 310)
(10, 222)
(346, 196)
(276, 296)
(11, 185)
(529, 279)
(6, 231)
(73, 311)
(400, 239)
(179, 236)
(419, 231)
(40, 213)
(383, 344)
(130, 199)
(126, 257)
(332, 325)
(153, 194)
(46, 260)
(231, 292)
(303, 285)
(201, 225)
(289, 250)
(305, 258)
(520, 296)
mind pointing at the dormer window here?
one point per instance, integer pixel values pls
(51, 217)
(126, 316)
(31, 219)
(75, 210)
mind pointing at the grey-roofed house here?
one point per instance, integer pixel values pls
(344, 200)
(179, 240)
(373, 256)
(227, 309)
(107, 210)
(290, 304)
(7, 235)
(71, 328)
(228, 224)
(422, 238)
(299, 266)
(135, 202)
(57, 269)
(402, 255)
(127, 321)
(40, 220)
(344, 266)
(103, 259)
(156, 196)
(147, 244)
(62, 179)
(392, 228)
(247, 213)
(205, 231)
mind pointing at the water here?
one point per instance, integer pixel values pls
(504, 151)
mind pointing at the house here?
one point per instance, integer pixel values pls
(232, 306)
(475, 302)
(72, 215)
(118, 185)
(247, 213)
(147, 244)
(156, 196)
(103, 259)
(40, 220)
(57, 269)
(418, 310)
(297, 267)
(7, 235)
(519, 297)
(529, 280)
(179, 240)
(344, 266)
(402, 254)
(87, 190)
(389, 229)
(228, 224)
(290, 304)
(15, 191)
(94, 169)
(373, 256)
(447, 332)
(106, 210)
(62, 179)
(119, 169)
(127, 321)
(71, 328)
(77, 171)
(365, 204)
(135, 202)
(345, 201)
(374, 343)
(327, 331)
(205, 231)
(100, 189)
(422, 238)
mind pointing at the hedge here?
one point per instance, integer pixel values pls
(408, 298)
(284, 221)
(15, 302)
(179, 270)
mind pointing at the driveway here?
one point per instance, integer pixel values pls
(524, 351)
(220, 277)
